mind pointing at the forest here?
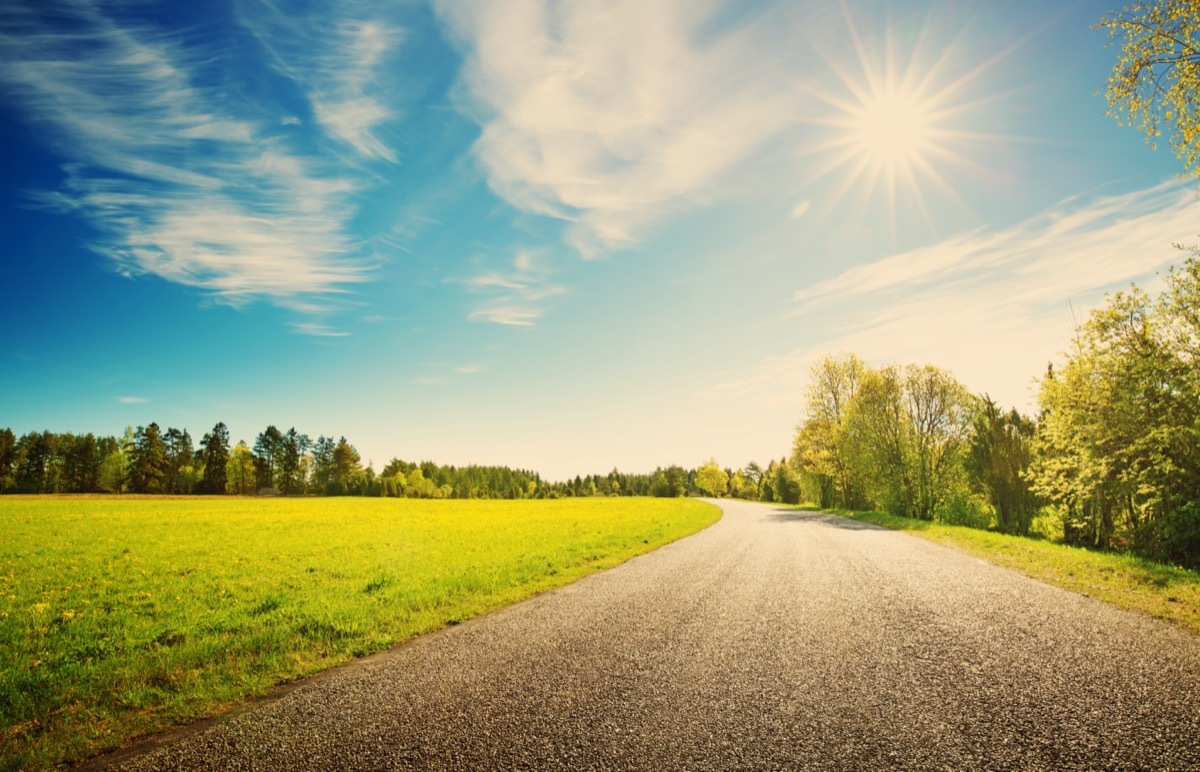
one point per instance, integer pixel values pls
(148, 460)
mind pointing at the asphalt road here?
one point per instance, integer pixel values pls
(773, 640)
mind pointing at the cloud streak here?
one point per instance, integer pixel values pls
(993, 306)
(517, 297)
(182, 181)
(614, 115)
(338, 55)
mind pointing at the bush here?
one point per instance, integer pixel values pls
(1047, 524)
(969, 509)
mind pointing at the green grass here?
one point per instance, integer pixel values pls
(124, 616)
(1162, 591)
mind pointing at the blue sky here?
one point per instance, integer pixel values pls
(563, 236)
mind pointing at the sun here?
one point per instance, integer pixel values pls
(892, 130)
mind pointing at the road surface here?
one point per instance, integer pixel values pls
(775, 639)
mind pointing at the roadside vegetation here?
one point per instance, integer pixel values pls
(1111, 461)
(124, 616)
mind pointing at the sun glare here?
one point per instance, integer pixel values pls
(893, 130)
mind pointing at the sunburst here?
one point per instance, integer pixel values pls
(895, 130)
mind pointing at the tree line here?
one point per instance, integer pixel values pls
(149, 460)
(1111, 460)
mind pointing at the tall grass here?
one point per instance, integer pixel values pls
(122, 616)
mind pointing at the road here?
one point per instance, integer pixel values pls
(775, 639)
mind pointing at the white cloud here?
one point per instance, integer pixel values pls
(133, 400)
(317, 330)
(615, 114)
(800, 209)
(993, 307)
(338, 54)
(183, 182)
(517, 298)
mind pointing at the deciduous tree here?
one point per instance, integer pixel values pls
(712, 479)
(998, 464)
(1155, 83)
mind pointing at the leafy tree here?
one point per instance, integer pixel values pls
(1119, 444)
(820, 451)
(712, 479)
(785, 487)
(113, 475)
(670, 482)
(941, 412)
(744, 485)
(904, 437)
(1155, 83)
(998, 463)
(114, 468)
(878, 441)
(241, 472)
(214, 452)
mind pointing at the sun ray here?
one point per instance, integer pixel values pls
(897, 124)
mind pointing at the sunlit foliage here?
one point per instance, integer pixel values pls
(1155, 83)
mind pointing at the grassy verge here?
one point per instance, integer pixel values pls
(1163, 591)
(124, 616)
(1131, 582)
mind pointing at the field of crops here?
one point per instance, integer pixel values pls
(122, 616)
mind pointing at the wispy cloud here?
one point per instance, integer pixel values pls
(993, 306)
(133, 400)
(614, 115)
(1070, 250)
(317, 330)
(338, 53)
(184, 181)
(516, 297)
(801, 209)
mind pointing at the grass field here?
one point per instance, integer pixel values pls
(123, 616)
(1133, 583)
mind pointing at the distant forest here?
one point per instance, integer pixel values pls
(149, 460)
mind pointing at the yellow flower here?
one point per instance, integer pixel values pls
(40, 607)
(68, 615)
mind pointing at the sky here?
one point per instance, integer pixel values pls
(559, 236)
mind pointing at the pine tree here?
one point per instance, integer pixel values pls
(148, 463)
(215, 454)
